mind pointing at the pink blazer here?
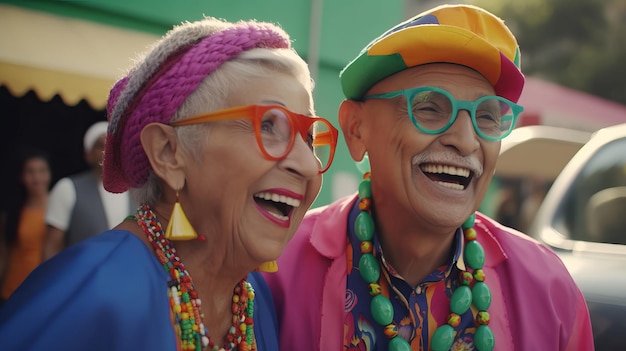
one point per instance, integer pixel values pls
(535, 303)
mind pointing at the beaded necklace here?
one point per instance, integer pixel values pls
(184, 300)
(471, 290)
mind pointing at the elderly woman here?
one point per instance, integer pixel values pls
(214, 133)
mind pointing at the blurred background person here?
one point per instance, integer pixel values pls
(508, 205)
(535, 191)
(23, 228)
(79, 206)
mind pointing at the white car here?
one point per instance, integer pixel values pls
(583, 216)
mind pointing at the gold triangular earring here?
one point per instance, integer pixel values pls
(269, 266)
(179, 227)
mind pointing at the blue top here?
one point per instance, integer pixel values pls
(108, 292)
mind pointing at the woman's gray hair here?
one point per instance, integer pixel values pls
(212, 95)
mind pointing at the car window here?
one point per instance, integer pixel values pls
(594, 209)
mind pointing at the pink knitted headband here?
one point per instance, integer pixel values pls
(155, 89)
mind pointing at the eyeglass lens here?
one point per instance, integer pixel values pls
(433, 110)
(276, 135)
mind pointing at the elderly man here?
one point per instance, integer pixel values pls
(408, 263)
(79, 206)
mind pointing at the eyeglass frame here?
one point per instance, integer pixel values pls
(300, 124)
(457, 105)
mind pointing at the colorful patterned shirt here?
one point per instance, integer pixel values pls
(411, 304)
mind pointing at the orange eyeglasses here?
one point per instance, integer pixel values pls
(275, 128)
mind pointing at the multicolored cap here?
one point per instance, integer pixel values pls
(158, 85)
(462, 34)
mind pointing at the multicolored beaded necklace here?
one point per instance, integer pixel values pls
(471, 290)
(184, 301)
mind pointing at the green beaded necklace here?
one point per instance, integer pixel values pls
(462, 298)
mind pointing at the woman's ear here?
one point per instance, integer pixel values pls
(350, 123)
(160, 143)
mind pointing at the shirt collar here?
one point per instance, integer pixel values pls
(454, 260)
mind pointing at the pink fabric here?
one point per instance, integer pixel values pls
(536, 305)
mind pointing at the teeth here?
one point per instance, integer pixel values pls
(281, 217)
(456, 171)
(278, 198)
(454, 186)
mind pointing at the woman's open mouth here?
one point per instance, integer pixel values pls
(278, 206)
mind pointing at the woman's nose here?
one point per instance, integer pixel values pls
(301, 160)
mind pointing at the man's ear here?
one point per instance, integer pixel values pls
(350, 119)
(160, 144)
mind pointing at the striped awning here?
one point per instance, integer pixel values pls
(53, 55)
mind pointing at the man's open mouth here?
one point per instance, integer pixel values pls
(452, 177)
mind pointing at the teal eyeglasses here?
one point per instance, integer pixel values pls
(433, 111)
